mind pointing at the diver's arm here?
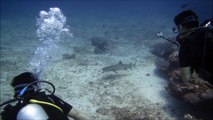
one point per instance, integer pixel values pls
(78, 115)
(185, 73)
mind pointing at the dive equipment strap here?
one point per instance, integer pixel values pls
(46, 103)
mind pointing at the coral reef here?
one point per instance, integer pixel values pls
(197, 93)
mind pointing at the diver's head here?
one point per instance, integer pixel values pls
(186, 20)
(22, 80)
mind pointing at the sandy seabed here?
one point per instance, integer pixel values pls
(132, 94)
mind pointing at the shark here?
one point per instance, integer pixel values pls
(117, 67)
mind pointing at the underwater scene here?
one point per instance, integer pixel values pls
(110, 59)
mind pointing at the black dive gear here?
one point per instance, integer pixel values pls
(21, 93)
(25, 104)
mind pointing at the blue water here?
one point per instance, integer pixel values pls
(102, 8)
(122, 18)
(109, 5)
(133, 21)
(147, 13)
(135, 11)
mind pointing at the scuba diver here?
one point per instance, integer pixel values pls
(195, 46)
(34, 103)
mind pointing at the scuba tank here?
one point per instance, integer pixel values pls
(30, 111)
(25, 110)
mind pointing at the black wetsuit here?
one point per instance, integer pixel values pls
(11, 112)
(196, 51)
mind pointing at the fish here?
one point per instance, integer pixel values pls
(117, 67)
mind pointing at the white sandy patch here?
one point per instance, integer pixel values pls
(82, 83)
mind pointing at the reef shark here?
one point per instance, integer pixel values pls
(117, 67)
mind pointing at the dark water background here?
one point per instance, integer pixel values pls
(150, 16)
(106, 8)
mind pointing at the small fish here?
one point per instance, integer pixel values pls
(117, 67)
